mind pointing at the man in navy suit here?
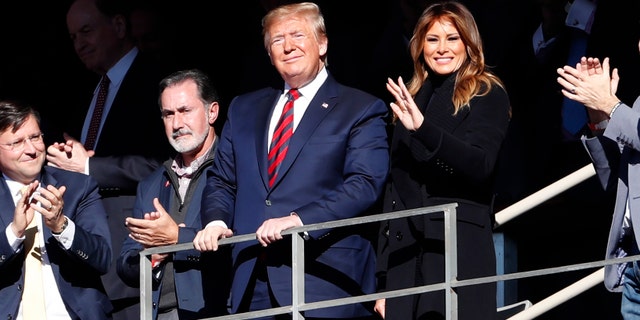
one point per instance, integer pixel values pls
(335, 168)
(128, 146)
(190, 284)
(73, 236)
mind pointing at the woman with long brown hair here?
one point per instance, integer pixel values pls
(450, 121)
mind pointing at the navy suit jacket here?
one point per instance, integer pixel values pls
(200, 278)
(335, 168)
(77, 271)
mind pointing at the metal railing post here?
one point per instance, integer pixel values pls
(450, 262)
(297, 274)
(146, 311)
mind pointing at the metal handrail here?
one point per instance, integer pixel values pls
(298, 266)
(507, 214)
(532, 201)
(544, 194)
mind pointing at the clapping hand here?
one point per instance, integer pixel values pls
(69, 155)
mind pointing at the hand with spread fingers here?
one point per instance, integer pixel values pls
(404, 108)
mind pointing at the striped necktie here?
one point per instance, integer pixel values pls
(281, 136)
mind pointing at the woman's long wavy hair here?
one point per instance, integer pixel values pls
(473, 78)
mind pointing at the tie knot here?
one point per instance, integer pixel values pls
(293, 94)
(105, 81)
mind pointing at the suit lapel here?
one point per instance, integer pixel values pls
(323, 102)
(166, 190)
(6, 201)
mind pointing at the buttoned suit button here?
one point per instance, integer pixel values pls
(82, 254)
(399, 236)
(267, 202)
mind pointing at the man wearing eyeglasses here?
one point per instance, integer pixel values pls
(56, 237)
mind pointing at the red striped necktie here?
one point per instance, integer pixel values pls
(281, 136)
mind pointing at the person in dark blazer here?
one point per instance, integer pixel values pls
(127, 147)
(335, 168)
(613, 144)
(73, 236)
(450, 121)
(191, 285)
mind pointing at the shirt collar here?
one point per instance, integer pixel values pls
(309, 90)
(178, 166)
(15, 188)
(119, 70)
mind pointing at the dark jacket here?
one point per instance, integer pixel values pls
(200, 280)
(448, 159)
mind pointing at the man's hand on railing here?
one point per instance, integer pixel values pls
(207, 238)
(380, 307)
(271, 230)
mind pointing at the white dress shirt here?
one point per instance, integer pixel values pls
(54, 304)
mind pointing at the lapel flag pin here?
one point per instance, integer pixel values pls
(325, 105)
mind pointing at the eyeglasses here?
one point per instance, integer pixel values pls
(18, 145)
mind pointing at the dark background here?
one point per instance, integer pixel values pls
(37, 63)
